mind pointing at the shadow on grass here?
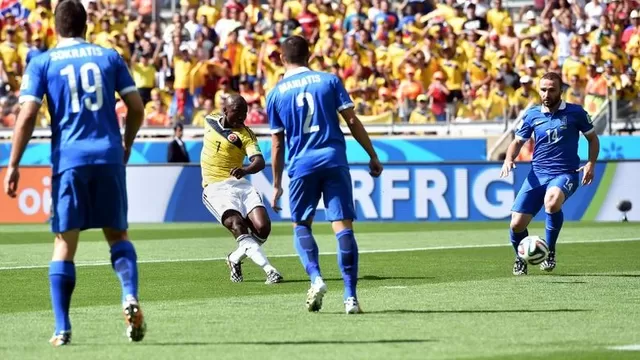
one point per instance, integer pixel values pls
(479, 311)
(328, 342)
(600, 275)
(292, 342)
(364, 278)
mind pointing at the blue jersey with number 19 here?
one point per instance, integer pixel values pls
(80, 80)
(305, 105)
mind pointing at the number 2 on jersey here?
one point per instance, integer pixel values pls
(307, 128)
(88, 71)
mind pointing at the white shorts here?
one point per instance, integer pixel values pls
(231, 194)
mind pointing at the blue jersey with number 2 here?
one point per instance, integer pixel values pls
(305, 105)
(79, 81)
(556, 137)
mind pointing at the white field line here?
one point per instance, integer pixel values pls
(450, 247)
(635, 347)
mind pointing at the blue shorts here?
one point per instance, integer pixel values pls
(333, 184)
(530, 198)
(89, 197)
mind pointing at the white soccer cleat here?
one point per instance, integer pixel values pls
(351, 306)
(315, 294)
(61, 339)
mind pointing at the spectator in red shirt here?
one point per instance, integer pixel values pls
(256, 116)
(309, 22)
(438, 94)
(235, 5)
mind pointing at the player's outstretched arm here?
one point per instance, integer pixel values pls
(277, 167)
(362, 137)
(512, 153)
(135, 115)
(22, 132)
(594, 151)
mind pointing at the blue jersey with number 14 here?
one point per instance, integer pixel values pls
(80, 80)
(305, 105)
(556, 137)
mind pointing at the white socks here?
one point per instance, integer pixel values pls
(250, 247)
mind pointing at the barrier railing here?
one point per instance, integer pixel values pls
(472, 129)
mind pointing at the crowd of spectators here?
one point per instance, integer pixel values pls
(412, 61)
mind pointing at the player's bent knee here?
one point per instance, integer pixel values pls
(65, 246)
(306, 223)
(341, 225)
(115, 235)
(553, 200)
(261, 229)
(519, 222)
(235, 223)
(260, 223)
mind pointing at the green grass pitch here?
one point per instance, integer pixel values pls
(429, 291)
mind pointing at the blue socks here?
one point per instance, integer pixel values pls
(307, 249)
(552, 227)
(348, 261)
(124, 262)
(62, 277)
(516, 238)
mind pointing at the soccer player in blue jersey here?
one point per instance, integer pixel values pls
(304, 107)
(88, 156)
(555, 167)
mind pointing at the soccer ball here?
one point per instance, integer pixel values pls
(533, 250)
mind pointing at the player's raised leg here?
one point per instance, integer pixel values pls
(260, 226)
(338, 200)
(109, 212)
(62, 278)
(517, 232)
(304, 194)
(309, 254)
(248, 246)
(527, 203)
(124, 262)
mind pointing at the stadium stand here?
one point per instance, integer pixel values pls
(462, 68)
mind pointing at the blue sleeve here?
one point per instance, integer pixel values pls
(34, 82)
(275, 123)
(124, 81)
(584, 122)
(525, 130)
(342, 98)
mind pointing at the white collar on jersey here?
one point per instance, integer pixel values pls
(66, 42)
(563, 105)
(296, 71)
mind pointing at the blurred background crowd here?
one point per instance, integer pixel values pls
(408, 61)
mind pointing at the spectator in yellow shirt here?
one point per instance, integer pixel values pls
(210, 11)
(198, 118)
(524, 96)
(421, 114)
(143, 70)
(10, 58)
(249, 61)
(574, 64)
(575, 92)
(612, 77)
(479, 70)
(384, 103)
(233, 51)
